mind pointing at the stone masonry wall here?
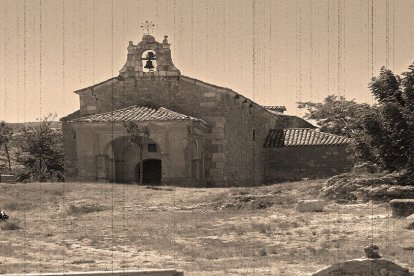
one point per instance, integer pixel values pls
(239, 128)
(69, 148)
(173, 93)
(172, 139)
(247, 126)
(295, 163)
(232, 156)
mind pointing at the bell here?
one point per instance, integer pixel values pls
(149, 65)
(150, 56)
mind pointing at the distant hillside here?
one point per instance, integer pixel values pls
(17, 126)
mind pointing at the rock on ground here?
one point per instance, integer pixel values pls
(402, 207)
(371, 267)
(366, 187)
(310, 205)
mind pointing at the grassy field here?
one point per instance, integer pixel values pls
(219, 231)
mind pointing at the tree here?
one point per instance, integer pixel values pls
(340, 116)
(42, 149)
(138, 136)
(5, 136)
(337, 115)
(391, 132)
(382, 133)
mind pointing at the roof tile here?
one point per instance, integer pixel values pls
(289, 137)
(137, 113)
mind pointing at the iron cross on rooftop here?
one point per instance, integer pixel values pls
(147, 26)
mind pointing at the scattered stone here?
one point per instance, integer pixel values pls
(372, 267)
(410, 225)
(315, 205)
(359, 195)
(411, 217)
(371, 252)
(348, 187)
(3, 215)
(386, 192)
(365, 168)
(402, 207)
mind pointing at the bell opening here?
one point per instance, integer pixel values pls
(149, 61)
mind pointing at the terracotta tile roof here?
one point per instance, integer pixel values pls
(277, 109)
(290, 137)
(137, 113)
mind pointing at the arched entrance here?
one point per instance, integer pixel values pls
(152, 171)
(123, 158)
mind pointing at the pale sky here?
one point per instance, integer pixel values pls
(276, 52)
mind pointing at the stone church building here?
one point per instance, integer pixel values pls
(200, 134)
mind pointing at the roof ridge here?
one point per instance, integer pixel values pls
(183, 77)
(137, 113)
(96, 84)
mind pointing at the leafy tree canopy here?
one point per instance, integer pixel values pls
(5, 137)
(391, 132)
(5, 133)
(382, 133)
(42, 149)
(336, 114)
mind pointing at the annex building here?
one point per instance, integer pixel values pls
(200, 134)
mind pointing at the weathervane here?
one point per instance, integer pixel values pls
(147, 26)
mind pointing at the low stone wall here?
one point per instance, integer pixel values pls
(296, 163)
(7, 178)
(155, 272)
(402, 207)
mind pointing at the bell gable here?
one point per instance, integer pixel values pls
(149, 58)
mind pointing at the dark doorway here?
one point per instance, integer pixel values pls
(152, 172)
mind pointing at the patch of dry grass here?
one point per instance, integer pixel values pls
(73, 227)
(85, 208)
(10, 225)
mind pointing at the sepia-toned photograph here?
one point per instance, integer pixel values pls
(207, 137)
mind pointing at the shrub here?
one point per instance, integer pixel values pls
(13, 206)
(10, 225)
(41, 152)
(262, 252)
(85, 209)
(23, 175)
(262, 228)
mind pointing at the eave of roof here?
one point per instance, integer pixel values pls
(291, 137)
(70, 116)
(276, 108)
(96, 85)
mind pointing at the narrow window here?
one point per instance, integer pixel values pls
(152, 148)
(254, 135)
